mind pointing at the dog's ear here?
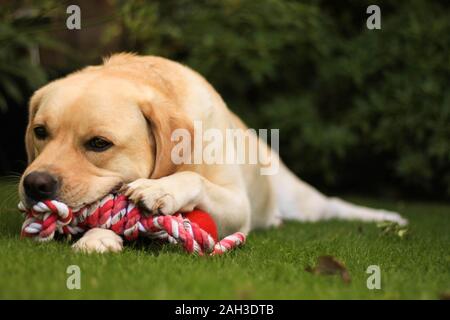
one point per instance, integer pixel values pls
(163, 120)
(32, 109)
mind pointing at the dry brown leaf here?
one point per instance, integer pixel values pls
(444, 295)
(329, 265)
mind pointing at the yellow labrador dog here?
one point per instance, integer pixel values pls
(112, 125)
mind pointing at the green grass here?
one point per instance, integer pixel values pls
(271, 264)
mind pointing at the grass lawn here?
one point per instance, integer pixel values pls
(270, 266)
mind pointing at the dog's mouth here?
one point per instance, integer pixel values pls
(114, 191)
(26, 202)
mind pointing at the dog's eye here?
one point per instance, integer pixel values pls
(98, 144)
(40, 132)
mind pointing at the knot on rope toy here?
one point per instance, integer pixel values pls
(195, 230)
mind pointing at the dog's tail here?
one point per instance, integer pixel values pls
(298, 200)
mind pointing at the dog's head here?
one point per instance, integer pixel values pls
(98, 128)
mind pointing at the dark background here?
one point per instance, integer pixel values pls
(359, 110)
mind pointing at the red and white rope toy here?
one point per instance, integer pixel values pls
(115, 212)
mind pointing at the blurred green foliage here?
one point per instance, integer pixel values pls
(25, 27)
(354, 105)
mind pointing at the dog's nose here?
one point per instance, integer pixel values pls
(40, 186)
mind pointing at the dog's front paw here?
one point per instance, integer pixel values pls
(153, 195)
(99, 240)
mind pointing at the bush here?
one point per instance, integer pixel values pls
(399, 107)
(21, 36)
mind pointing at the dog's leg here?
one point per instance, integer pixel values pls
(99, 240)
(184, 191)
(299, 201)
(340, 209)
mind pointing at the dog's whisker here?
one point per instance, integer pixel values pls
(9, 200)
